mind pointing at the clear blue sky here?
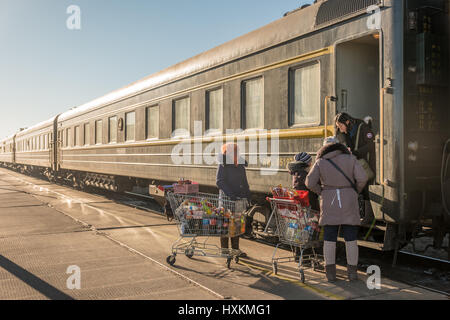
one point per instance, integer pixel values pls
(46, 69)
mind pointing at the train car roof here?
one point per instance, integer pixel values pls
(293, 25)
(41, 125)
(10, 137)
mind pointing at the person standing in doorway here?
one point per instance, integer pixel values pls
(358, 136)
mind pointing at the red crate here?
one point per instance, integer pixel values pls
(186, 188)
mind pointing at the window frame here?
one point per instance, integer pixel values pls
(126, 129)
(86, 133)
(243, 103)
(208, 112)
(76, 137)
(174, 101)
(147, 109)
(100, 121)
(291, 95)
(109, 129)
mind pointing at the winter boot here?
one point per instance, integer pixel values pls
(352, 272)
(331, 272)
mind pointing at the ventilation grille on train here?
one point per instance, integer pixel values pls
(336, 9)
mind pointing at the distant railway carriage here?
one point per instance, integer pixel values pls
(7, 155)
(384, 59)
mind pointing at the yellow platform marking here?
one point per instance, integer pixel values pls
(270, 273)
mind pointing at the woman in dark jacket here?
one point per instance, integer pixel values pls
(299, 170)
(232, 182)
(357, 135)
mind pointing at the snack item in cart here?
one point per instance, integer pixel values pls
(242, 224)
(232, 228)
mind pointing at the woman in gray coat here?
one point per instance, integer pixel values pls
(338, 177)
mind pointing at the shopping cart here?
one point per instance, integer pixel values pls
(206, 215)
(298, 227)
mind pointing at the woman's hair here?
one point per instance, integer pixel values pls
(342, 118)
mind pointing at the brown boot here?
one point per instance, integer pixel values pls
(331, 272)
(352, 272)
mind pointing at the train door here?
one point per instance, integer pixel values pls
(358, 79)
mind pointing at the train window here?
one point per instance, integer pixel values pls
(98, 132)
(87, 134)
(130, 125)
(253, 104)
(76, 140)
(304, 100)
(152, 115)
(67, 139)
(181, 114)
(112, 129)
(214, 110)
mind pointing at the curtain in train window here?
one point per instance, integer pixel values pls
(98, 132)
(77, 136)
(152, 122)
(214, 109)
(130, 125)
(182, 114)
(112, 129)
(254, 104)
(305, 95)
(87, 134)
(68, 137)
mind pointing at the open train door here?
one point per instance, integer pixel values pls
(358, 83)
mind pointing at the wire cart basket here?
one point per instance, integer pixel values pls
(298, 227)
(206, 215)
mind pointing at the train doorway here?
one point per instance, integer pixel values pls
(358, 80)
(358, 77)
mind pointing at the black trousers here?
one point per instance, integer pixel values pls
(234, 243)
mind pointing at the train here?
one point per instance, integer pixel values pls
(275, 91)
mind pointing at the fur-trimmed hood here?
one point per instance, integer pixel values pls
(329, 148)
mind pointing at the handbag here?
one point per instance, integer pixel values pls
(363, 162)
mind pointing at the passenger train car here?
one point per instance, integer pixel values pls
(278, 88)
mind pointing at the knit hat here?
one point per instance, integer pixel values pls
(330, 140)
(303, 157)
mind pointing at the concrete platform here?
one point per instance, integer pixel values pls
(122, 254)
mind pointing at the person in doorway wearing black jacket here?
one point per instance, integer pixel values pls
(358, 136)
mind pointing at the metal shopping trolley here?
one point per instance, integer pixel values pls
(206, 215)
(298, 227)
